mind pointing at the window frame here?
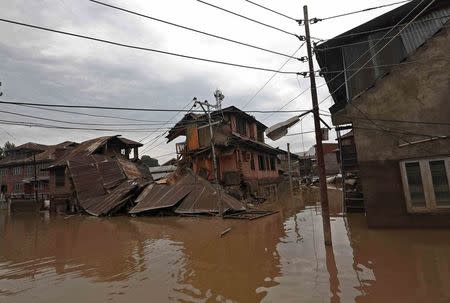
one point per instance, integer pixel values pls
(427, 183)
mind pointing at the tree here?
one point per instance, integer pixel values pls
(8, 145)
(149, 161)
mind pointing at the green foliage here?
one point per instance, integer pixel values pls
(149, 161)
(8, 145)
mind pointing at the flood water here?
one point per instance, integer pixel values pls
(279, 258)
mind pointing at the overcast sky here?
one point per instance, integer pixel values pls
(45, 67)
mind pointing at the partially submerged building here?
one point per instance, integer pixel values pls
(389, 80)
(98, 176)
(244, 161)
(22, 171)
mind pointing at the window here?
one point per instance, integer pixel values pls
(17, 170)
(261, 162)
(18, 188)
(241, 126)
(30, 170)
(60, 177)
(426, 184)
(3, 172)
(252, 162)
(440, 182)
(272, 163)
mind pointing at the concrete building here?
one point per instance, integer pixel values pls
(243, 159)
(394, 92)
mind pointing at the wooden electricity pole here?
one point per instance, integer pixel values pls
(319, 147)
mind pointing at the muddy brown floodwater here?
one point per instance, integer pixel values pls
(279, 258)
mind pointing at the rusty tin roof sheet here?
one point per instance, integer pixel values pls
(108, 203)
(158, 196)
(110, 171)
(86, 178)
(196, 195)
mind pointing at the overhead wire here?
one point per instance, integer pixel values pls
(273, 76)
(384, 28)
(368, 41)
(365, 115)
(129, 46)
(77, 123)
(364, 53)
(89, 115)
(362, 10)
(273, 11)
(189, 28)
(33, 124)
(143, 109)
(249, 19)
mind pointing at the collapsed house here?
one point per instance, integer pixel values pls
(97, 176)
(244, 162)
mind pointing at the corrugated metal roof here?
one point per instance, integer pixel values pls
(110, 202)
(417, 33)
(159, 196)
(89, 147)
(197, 196)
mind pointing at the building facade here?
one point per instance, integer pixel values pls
(22, 171)
(243, 159)
(399, 112)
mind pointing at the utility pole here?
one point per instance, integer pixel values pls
(35, 179)
(213, 150)
(289, 166)
(319, 147)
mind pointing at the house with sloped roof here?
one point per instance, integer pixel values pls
(389, 79)
(22, 171)
(244, 160)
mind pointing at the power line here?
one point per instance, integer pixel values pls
(161, 156)
(317, 49)
(273, 11)
(361, 11)
(136, 108)
(90, 115)
(273, 76)
(33, 124)
(189, 28)
(373, 56)
(410, 121)
(289, 102)
(78, 123)
(142, 48)
(384, 65)
(249, 19)
(385, 28)
(369, 50)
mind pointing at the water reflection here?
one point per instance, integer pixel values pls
(280, 258)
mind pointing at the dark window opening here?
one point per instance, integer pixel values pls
(60, 177)
(241, 126)
(252, 162)
(272, 163)
(261, 162)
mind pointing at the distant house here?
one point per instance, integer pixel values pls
(309, 162)
(21, 171)
(283, 162)
(397, 106)
(243, 159)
